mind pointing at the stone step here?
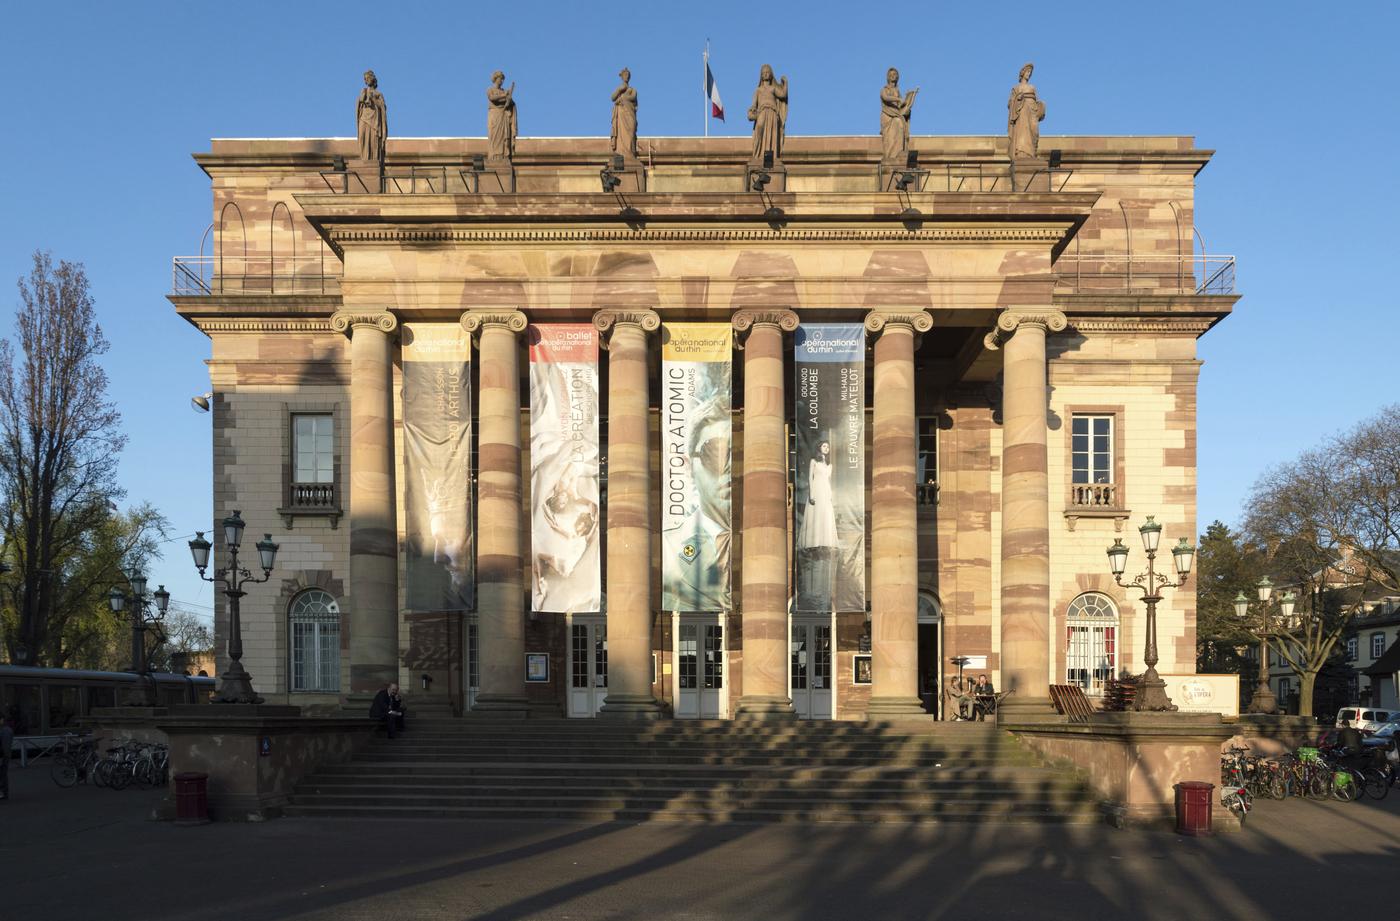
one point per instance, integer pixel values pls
(390, 770)
(931, 792)
(993, 803)
(1083, 814)
(711, 759)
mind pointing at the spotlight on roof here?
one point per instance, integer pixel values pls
(200, 403)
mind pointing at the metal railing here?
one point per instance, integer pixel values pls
(1093, 495)
(205, 275)
(1190, 274)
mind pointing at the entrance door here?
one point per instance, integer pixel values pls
(700, 667)
(810, 646)
(588, 666)
(930, 665)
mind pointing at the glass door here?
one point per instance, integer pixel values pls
(700, 667)
(588, 666)
(810, 647)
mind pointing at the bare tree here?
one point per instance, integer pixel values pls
(183, 633)
(1329, 523)
(59, 444)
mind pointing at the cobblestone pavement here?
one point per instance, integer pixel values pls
(88, 853)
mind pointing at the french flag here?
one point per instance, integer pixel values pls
(712, 93)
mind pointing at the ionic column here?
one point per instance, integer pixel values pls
(894, 539)
(1025, 506)
(763, 591)
(500, 589)
(374, 562)
(630, 540)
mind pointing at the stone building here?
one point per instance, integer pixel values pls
(1030, 337)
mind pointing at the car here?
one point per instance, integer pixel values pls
(1366, 719)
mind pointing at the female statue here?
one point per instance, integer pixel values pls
(769, 115)
(624, 117)
(371, 120)
(1024, 112)
(501, 126)
(894, 118)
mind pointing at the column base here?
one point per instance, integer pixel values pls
(902, 709)
(763, 707)
(516, 708)
(630, 707)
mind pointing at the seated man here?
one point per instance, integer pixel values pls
(388, 706)
(986, 697)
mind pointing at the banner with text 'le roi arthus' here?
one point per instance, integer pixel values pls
(829, 487)
(439, 552)
(696, 382)
(564, 495)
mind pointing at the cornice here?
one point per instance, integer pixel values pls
(1192, 327)
(341, 237)
(262, 325)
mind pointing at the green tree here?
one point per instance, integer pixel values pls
(60, 441)
(1225, 567)
(1329, 524)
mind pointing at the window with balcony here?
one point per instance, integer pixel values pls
(311, 487)
(314, 620)
(1093, 456)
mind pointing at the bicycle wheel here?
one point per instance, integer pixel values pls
(120, 778)
(1345, 787)
(1278, 786)
(1375, 784)
(101, 773)
(63, 771)
(1319, 784)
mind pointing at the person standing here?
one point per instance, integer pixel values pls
(388, 707)
(7, 739)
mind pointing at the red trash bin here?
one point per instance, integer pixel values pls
(1194, 800)
(191, 798)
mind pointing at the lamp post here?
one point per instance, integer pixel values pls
(235, 684)
(1152, 690)
(1263, 700)
(144, 693)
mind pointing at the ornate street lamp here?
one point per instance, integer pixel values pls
(235, 684)
(1264, 700)
(1152, 690)
(144, 693)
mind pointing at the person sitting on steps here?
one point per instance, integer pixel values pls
(388, 707)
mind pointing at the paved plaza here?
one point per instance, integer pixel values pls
(88, 853)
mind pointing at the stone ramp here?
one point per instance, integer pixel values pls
(596, 771)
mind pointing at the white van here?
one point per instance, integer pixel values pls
(1366, 719)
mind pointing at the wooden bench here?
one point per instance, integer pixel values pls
(1069, 700)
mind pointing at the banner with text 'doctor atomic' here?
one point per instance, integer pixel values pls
(696, 433)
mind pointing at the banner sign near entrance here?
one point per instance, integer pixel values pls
(438, 551)
(829, 487)
(564, 495)
(696, 380)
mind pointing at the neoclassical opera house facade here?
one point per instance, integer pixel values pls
(689, 427)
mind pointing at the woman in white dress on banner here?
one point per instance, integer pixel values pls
(819, 518)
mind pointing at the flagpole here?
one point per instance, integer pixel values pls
(705, 86)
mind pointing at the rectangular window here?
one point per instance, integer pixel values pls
(927, 460)
(1351, 649)
(1377, 645)
(1091, 449)
(313, 449)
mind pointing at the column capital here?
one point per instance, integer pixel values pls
(474, 321)
(917, 321)
(346, 321)
(749, 318)
(607, 321)
(1013, 318)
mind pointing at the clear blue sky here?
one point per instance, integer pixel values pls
(106, 101)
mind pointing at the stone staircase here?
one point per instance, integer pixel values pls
(592, 770)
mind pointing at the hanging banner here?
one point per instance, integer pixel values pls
(564, 494)
(829, 487)
(438, 549)
(696, 380)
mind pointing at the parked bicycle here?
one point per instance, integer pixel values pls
(75, 760)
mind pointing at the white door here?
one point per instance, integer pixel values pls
(473, 663)
(810, 646)
(588, 666)
(700, 667)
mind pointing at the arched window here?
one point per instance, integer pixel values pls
(1091, 642)
(314, 617)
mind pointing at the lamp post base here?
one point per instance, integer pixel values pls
(1152, 694)
(1263, 700)
(235, 686)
